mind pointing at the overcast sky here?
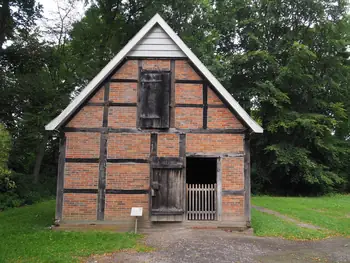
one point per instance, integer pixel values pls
(51, 6)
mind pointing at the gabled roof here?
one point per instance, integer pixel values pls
(129, 47)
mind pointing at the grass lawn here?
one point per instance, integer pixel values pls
(25, 237)
(331, 213)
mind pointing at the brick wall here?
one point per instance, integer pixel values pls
(232, 207)
(188, 118)
(123, 92)
(129, 70)
(168, 145)
(189, 93)
(87, 117)
(98, 96)
(136, 176)
(156, 64)
(122, 117)
(129, 146)
(119, 206)
(79, 207)
(213, 98)
(129, 176)
(82, 145)
(183, 70)
(232, 173)
(81, 175)
(222, 118)
(214, 143)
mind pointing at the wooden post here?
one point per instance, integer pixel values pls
(60, 179)
(247, 190)
(103, 159)
(205, 106)
(172, 94)
(182, 153)
(219, 189)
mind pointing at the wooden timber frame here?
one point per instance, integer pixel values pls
(105, 130)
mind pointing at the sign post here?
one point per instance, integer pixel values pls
(136, 212)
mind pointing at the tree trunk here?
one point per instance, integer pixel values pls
(39, 158)
(5, 21)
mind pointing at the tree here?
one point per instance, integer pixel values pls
(5, 146)
(17, 15)
(289, 67)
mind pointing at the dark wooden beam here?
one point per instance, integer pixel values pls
(154, 143)
(205, 106)
(171, 130)
(182, 154)
(189, 105)
(103, 159)
(188, 81)
(114, 104)
(247, 194)
(127, 161)
(60, 179)
(108, 191)
(138, 110)
(128, 192)
(82, 160)
(124, 80)
(172, 94)
(157, 58)
(80, 191)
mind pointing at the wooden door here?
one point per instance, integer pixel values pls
(167, 194)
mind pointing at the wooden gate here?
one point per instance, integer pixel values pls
(201, 201)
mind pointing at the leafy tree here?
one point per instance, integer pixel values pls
(17, 15)
(289, 63)
(5, 146)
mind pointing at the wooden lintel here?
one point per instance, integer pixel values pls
(167, 162)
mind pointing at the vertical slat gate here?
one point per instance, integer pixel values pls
(201, 201)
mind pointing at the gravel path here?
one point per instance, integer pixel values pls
(191, 245)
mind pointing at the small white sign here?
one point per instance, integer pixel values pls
(136, 211)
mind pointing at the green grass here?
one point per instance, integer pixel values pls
(272, 226)
(25, 237)
(331, 213)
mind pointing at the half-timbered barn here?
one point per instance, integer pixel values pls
(154, 129)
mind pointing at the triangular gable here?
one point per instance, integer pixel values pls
(156, 43)
(134, 46)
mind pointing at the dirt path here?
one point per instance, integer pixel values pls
(190, 245)
(286, 218)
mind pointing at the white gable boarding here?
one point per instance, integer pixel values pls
(155, 39)
(156, 43)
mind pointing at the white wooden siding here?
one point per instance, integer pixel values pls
(156, 43)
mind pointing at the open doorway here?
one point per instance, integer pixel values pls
(201, 188)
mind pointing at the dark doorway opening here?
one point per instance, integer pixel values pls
(201, 170)
(201, 188)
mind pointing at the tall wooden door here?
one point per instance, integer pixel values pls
(167, 192)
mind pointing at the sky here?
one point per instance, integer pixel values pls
(50, 6)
